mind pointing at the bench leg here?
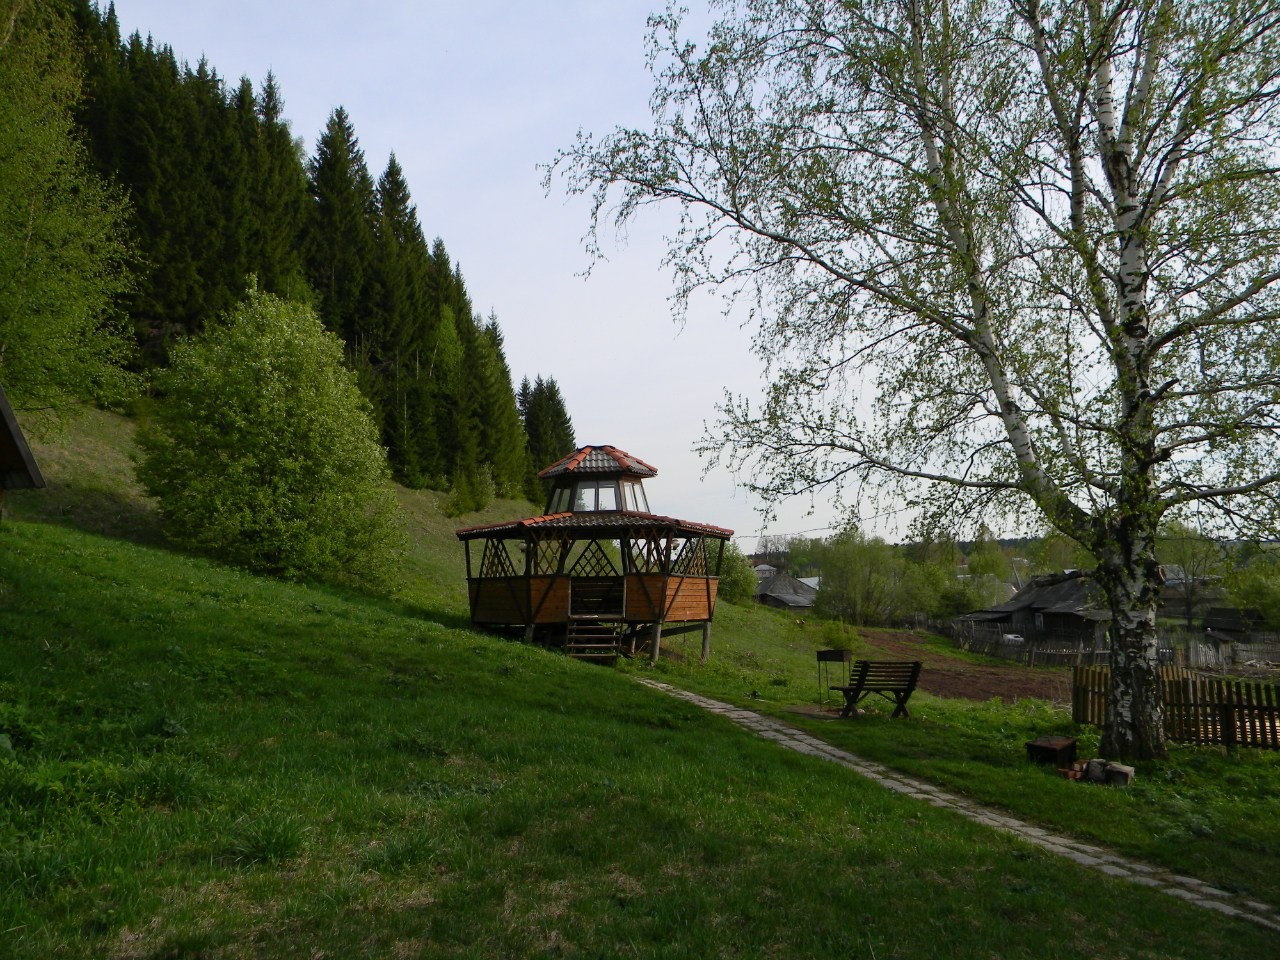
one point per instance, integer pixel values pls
(849, 703)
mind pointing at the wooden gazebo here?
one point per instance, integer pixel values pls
(597, 571)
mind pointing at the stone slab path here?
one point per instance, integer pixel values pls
(1086, 855)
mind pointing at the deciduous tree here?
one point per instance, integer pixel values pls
(63, 252)
(1012, 255)
(263, 452)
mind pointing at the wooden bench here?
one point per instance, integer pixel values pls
(895, 680)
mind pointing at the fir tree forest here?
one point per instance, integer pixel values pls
(222, 199)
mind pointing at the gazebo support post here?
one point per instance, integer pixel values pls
(706, 640)
(655, 642)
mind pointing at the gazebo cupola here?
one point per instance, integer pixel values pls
(594, 479)
(597, 571)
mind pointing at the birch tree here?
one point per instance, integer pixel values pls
(1000, 256)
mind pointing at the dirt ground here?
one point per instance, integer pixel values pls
(946, 676)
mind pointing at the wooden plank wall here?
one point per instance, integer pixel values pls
(644, 596)
(499, 600)
(686, 598)
(1197, 708)
(549, 599)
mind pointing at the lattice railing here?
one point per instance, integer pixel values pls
(692, 559)
(496, 562)
(647, 554)
(546, 556)
(593, 562)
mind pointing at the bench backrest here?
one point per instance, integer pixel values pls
(885, 674)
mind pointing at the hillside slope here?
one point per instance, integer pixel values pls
(202, 763)
(195, 762)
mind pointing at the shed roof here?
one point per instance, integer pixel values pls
(787, 589)
(1070, 594)
(18, 470)
(601, 461)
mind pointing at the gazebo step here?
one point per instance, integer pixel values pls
(593, 653)
(591, 639)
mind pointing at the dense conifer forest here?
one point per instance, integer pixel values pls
(223, 199)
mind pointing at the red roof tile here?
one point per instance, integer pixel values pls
(599, 460)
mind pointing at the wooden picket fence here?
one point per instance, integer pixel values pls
(1197, 708)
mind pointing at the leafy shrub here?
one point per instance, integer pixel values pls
(737, 579)
(261, 451)
(837, 635)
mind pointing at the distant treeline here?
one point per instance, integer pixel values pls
(224, 198)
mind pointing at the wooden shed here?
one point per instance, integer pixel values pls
(598, 571)
(18, 470)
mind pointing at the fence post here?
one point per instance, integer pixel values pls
(1228, 725)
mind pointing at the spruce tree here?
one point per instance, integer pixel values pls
(548, 430)
(340, 238)
(281, 198)
(398, 320)
(505, 448)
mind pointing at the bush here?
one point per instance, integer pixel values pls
(737, 579)
(261, 451)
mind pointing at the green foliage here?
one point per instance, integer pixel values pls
(867, 581)
(473, 489)
(261, 451)
(548, 430)
(222, 193)
(934, 327)
(1053, 552)
(986, 558)
(839, 636)
(737, 579)
(1256, 586)
(340, 239)
(63, 250)
(488, 403)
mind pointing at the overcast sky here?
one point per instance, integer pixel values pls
(472, 97)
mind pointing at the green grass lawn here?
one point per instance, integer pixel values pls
(200, 763)
(1204, 812)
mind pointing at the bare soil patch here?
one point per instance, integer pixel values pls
(944, 675)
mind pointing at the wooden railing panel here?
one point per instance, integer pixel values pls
(691, 598)
(499, 600)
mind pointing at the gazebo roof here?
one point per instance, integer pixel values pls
(18, 470)
(599, 461)
(596, 523)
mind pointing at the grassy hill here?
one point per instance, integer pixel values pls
(201, 763)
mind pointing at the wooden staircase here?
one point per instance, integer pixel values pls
(592, 638)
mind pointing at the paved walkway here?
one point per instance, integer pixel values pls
(1084, 854)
